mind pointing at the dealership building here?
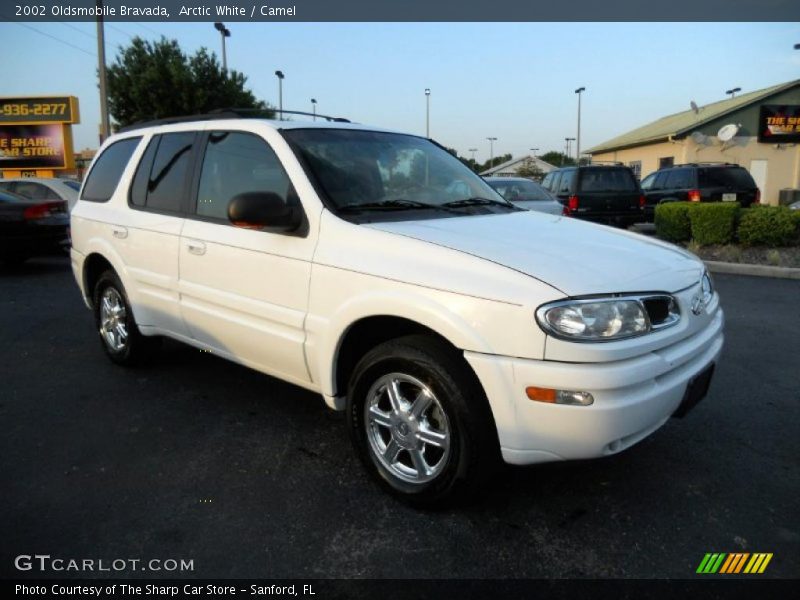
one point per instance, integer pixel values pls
(758, 130)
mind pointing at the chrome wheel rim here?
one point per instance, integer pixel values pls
(113, 327)
(407, 428)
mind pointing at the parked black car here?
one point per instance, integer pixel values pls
(699, 182)
(601, 193)
(31, 228)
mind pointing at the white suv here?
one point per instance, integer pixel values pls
(375, 269)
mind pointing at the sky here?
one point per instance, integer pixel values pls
(512, 81)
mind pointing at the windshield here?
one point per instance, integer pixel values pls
(520, 190)
(368, 170)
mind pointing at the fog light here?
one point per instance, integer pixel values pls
(552, 396)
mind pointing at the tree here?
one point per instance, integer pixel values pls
(558, 159)
(530, 170)
(157, 80)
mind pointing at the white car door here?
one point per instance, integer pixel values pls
(244, 292)
(149, 239)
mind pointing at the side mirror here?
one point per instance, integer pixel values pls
(263, 210)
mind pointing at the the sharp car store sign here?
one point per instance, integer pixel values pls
(36, 135)
(779, 124)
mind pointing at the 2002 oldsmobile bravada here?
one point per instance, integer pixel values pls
(374, 268)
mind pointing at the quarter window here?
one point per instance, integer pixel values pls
(107, 170)
(235, 163)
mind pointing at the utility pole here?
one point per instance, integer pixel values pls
(492, 140)
(279, 75)
(579, 91)
(105, 125)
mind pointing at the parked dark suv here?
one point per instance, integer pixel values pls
(601, 193)
(699, 182)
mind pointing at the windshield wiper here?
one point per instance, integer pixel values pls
(396, 204)
(477, 201)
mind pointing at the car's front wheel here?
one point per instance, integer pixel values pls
(420, 421)
(119, 335)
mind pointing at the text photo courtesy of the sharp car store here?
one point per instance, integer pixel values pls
(36, 135)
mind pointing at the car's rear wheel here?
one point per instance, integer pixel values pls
(119, 335)
(420, 422)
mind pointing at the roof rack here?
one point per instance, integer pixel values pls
(605, 162)
(707, 163)
(227, 113)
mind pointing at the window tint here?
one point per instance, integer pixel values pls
(564, 184)
(167, 183)
(680, 179)
(726, 177)
(607, 180)
(235, 163)
(661, 180)
(35, 191)
(107, 170)
(648, 181)
(138, 194)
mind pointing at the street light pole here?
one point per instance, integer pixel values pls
(224, 32)
(579, 91)
(279, 75)
(314, 108)
(568, 140)
(534, 150)
(427, 112)
(492, 140)
(105, 126)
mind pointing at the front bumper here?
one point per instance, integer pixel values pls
(632, 398)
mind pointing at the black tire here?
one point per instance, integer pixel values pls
(459, 408)
(136, 349)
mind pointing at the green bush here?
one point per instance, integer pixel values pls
(672, 221)
(767, 226)
(713, 222)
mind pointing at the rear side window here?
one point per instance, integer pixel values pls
(107, 170)
(160, 182)
(680, 179)
(548, 179)
(35, 191)
(566, 180)
(737, 177)
(235, 163)
(607, 180)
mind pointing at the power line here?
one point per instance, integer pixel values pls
(119, 29)
(56, 39)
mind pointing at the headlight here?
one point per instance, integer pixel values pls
(604, 319)
(708, 288)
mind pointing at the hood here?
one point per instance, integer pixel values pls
(576, 257)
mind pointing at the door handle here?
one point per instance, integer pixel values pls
(119, 232)
(198, 248)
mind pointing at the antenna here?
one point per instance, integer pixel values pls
(695, 108)
(699, 138)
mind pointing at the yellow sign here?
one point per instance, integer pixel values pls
(56, 109)
(36, 133)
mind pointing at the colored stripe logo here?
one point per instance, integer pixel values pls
(734, 563)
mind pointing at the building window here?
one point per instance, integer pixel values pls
(636, 167)
(666, 162)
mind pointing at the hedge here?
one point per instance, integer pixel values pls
(713, 222)
(672, 221)
(768, 226)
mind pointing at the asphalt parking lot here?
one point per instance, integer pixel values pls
(197, 458)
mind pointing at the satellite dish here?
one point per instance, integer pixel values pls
(699, 138)
(726, 132)
(695, 108)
